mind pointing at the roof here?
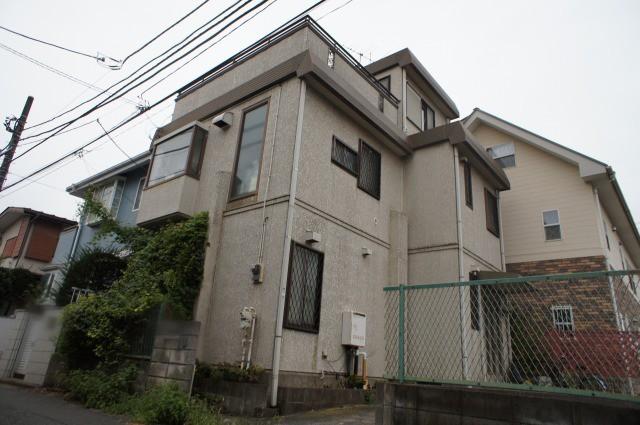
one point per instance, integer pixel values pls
(11, 214)
(405, 58)
(591, 170)
(139, 161)
(456, 134)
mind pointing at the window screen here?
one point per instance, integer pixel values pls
(304, 289)
(468, 188)
(562, 317)
(345, 157)
(247, 170)
(551, 222)
(428, 117)
(369, 165)
(493, 219)
(505, 154)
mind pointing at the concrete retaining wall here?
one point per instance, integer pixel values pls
(435, 404)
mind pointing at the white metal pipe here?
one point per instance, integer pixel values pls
(404, 100)
(253, 330)
(461, 276)
(277, 343)
(502, 256)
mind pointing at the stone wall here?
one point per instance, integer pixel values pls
(174, 353)
(410, 404)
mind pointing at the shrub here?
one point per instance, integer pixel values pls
(95, 269)
(18, 287)
(99, 388)
(163, 405)
(227, 372)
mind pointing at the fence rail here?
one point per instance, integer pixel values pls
(577, 333)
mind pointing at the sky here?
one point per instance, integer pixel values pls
(567, 70)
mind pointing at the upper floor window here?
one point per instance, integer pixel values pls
(414, 107)
(304, 289)
(551, 223)
(344, 157)
(492, 212)
(468, 188)
(428, 117)
(178, 155)
(249, 156)
(136, 202)
(109, 196)
(505, 154)
(369, 168)
(562, 317)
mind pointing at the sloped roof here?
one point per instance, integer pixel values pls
(11, 214)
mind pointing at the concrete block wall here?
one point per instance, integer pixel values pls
(440, 404)
(9, 330)
(173, 357)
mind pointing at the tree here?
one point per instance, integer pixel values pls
(18, 288)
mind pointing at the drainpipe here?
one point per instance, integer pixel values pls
(277, 343)
(461, 277)
(404, 100)
(502, 257)
(76, 239)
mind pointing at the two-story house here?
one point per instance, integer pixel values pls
(325, 182)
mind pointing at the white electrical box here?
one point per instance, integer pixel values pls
(354, 329)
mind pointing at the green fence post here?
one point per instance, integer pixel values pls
(401, 301)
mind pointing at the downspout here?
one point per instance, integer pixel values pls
(502, 256)
(76, 238)
(461, 277)
(404, 100)
(277, 343)
(612, 292)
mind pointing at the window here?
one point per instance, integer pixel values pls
(492, 212)
(386, 82)
(7, 251)
(474, 299)
(468, 188)
(414, 107)
(178, 155)
(428, 117)
(505, 154)
(249, 157)
(562, 317)
(369, 166)
(551, 223)
(109, 195)
(606, 235)
(138, 199)
(304, 289)
(344, 157)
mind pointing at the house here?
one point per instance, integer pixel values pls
(28, 238)
(565, 213)
(325, 182)
(119, 189)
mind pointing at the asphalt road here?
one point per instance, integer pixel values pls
(25, 406)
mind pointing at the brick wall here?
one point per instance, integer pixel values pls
(559, 265)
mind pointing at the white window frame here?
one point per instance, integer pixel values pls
(544, 226)
(113, 205)
(139, 190)
(560, 326)
(490, 150)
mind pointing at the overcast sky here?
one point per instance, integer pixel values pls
(567, 70)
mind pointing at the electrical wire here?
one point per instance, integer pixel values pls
(115, 143)
(155, 104)
(163, 32)
(144, 65)
(53, 45)
(116, 96)
(337, 8)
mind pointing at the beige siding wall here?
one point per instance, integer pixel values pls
(541, 182)
(617, 255)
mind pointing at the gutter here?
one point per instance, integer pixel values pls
(282, 290)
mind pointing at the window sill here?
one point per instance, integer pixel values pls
(177, 176)
(300, 329)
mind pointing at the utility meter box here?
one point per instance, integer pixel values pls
(354, 329)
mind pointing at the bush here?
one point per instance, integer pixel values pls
(163, 405)
(100, 389)
(18, 287)
(227, 372)
(95, 269)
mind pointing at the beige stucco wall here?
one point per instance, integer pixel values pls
(541, 182)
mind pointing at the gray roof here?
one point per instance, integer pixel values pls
(405, 58)
(11, 214)
(138, 161)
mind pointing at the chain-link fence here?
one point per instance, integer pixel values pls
(577, 333)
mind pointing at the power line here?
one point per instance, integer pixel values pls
(98, 58)
(115, 143)
(57, 71)
(147, 63)
(337, 8)
(115, 96)
(164, 31)
(45, 167)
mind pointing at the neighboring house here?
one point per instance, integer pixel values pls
(325, 182)
(119, 189)
(565, 213)
(28, 238)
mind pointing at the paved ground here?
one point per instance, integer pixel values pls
(26, 406)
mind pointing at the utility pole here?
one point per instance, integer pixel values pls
(15, 138)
